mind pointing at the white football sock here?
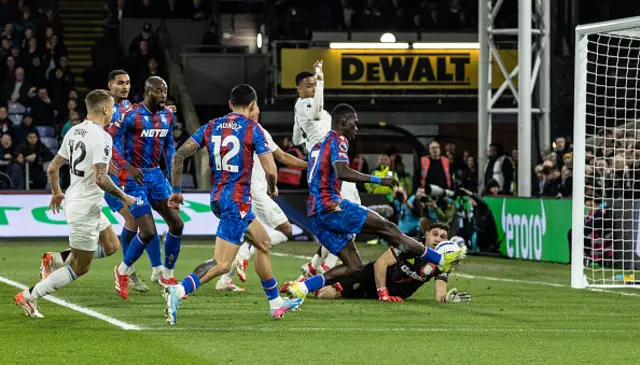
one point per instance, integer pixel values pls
(58, 279)
(331, 261)
(245, 251)
(57, 259)
(324, 253)
(316, 261)
(167, 273)
(123, 269)
(276, 303)
(277, 237)
(180, 290)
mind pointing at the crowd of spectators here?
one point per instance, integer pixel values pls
(36, 85)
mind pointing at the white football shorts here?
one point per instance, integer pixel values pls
(86, 221)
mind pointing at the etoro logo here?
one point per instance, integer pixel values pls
(524, 232)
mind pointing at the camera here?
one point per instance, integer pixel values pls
(436, 192)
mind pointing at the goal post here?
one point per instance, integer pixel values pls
(605, 247)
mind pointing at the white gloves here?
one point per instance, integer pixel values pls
(453, 296)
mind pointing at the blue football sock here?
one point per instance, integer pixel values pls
(125, 239)
(270, 288)
(191, 283)
(136, 248)
(171, 251)
(153, 251)
(315, 282)
(431, 256)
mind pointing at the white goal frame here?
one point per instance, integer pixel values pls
(578, 277)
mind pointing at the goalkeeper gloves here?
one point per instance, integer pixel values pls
(383, 295)
(453, 296)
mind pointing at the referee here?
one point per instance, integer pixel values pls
(394, 276)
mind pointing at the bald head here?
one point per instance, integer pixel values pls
(155, 92)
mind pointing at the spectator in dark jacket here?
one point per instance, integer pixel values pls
(43, 109)
(22, 130)
(8, 162)
(499, 168)
(552, 181)
(35, 153)
(16, 90)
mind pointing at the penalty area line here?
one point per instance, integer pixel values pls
(77, 308)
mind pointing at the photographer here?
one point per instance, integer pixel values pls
(433, 211)
(408, 211)
(476, 223)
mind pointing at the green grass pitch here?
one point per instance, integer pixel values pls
(515, 317)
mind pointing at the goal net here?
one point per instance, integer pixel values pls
(606, 192)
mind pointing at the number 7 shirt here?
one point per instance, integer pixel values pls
(231, 141)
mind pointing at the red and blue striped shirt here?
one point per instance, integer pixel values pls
(231, 141)
(141, 137)
(324, 186)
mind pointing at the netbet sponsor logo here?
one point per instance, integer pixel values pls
(153, 133)
(524, 232)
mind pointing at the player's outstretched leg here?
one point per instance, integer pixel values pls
(173, 239)
(351, 265)
(384, 228)
(79, 263)
(52, 261)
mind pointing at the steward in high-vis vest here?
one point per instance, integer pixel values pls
(435, 168)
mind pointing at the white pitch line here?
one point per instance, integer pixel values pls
(77, 308)
(386, 330)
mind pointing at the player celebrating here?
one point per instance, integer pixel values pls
(335, 221)
(311, 125)
(395, 276)
(119, 85)
(87, 148)
(231, 142)
(147, 133)
(266, 210)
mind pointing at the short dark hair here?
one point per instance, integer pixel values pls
(341, 112)
(440, 225)
(242, 95)
(96, 98)
(115, 73)
(303, 75)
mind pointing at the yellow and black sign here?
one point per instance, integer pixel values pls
(393, 69)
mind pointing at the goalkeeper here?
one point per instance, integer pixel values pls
(395, 276)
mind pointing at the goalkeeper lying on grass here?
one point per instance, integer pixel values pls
(395, 276)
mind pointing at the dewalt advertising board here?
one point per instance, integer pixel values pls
(393, 69)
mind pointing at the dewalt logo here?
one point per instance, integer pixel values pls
(414, 69)
(410, 69)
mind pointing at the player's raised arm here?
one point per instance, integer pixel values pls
(53, 172)
(380, 273)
